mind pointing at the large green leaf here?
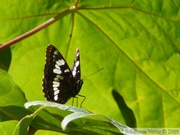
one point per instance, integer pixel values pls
(11, 103)
(78, 121)
(136, 42)
(10, 93)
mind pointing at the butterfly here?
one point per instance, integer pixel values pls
(60, 83)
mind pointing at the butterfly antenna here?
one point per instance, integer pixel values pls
(93, 73)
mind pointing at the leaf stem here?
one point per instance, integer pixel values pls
(36, 29)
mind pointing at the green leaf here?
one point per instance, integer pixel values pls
(10, 93)
(7, 127)
(80, 121)
(136, 42)
(5, 59)
(23, 125)
(11, 103)
(12, 99)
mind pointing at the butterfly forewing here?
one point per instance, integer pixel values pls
(58, 79)
(76, 67)
(59, 83)
(76, 72)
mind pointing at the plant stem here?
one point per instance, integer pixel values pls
(36, 29)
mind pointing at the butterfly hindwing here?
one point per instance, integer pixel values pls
(59, 82)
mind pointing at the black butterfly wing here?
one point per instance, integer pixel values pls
(76, 67)
(76, 72)
(58, 81)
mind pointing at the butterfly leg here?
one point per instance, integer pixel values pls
(83, 99)
(76, 101)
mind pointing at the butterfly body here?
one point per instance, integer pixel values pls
(60, 83)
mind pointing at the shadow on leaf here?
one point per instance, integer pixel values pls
(125, 110)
